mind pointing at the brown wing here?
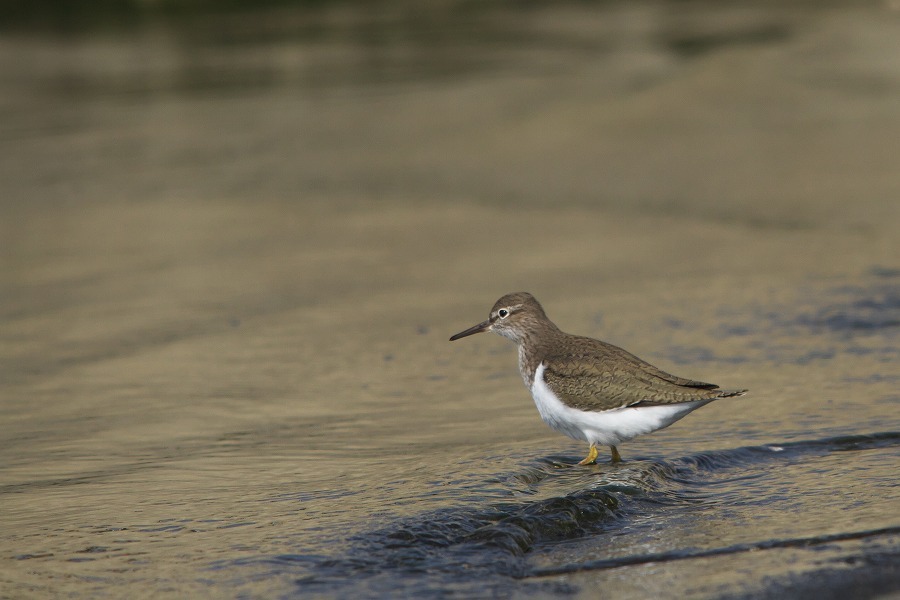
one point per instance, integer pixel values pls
(594, 375)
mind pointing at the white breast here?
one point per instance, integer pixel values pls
(608, 427)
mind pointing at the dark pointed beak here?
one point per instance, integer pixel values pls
(473, 330)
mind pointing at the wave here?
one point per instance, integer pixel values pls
(437, 552)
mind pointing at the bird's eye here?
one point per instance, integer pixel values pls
(502, 313)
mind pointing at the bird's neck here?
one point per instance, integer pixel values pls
(531, 349)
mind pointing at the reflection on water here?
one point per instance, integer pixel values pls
(489, 548)
(233, 251)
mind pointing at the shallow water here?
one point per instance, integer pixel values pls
(230, 270)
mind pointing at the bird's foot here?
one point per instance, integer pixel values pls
(615, 455)
(591, 458)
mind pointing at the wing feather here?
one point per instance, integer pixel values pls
(594, 375)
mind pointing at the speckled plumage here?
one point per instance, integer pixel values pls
(589, 389)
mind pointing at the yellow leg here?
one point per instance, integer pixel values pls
(591, 458)
(615, 455)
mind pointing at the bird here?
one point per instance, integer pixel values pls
(588, 389)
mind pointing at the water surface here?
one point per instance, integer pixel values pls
(231, 264)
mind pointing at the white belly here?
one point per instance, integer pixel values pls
(608, 427)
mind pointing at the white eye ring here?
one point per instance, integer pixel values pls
(502, 313)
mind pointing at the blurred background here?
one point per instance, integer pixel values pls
(235, 237)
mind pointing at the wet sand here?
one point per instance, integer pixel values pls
(226, 304)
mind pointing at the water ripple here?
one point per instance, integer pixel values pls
(449, 547)
(624, 561)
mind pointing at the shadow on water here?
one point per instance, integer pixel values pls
(447, 551)
(872, 309)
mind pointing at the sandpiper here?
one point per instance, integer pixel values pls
(587, 389)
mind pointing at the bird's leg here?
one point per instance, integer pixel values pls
(615, 455)
(591, 458)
